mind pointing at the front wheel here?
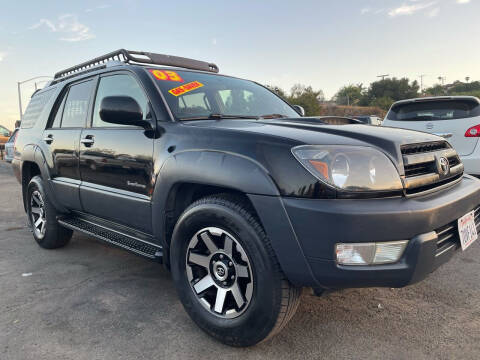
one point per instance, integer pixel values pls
(226, 272)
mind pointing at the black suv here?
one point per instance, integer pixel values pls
(244, 200)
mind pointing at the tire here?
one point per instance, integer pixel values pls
(269, 300)
(42, 217)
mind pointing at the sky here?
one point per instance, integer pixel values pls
(322, 43)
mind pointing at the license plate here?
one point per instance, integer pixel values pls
(467, 229)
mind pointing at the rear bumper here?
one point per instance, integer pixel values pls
(317, 225)
(471, 162)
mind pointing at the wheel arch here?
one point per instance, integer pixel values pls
(33, 164)
(190, 175)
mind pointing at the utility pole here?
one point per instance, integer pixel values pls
(421, 82)
(383, 76)
(442, 79)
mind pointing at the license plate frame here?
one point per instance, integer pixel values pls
(467, 230)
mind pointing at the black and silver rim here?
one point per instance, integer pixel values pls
(219, 272)
(37, 214)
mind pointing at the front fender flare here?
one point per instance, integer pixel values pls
(212, 168)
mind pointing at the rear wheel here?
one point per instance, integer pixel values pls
(226, 272)
(42, 217)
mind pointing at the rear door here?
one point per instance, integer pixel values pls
(116, 161)
(449, 118)
(62, 138)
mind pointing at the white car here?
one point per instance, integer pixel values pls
(9, 146)
(455, 118)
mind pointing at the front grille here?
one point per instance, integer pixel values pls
(424, 147)
(448, 234)
(422, 166)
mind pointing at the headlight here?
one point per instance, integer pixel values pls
(350, 168)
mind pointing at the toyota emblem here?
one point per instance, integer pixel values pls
(444, 166)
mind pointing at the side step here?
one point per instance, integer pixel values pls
(114, 237)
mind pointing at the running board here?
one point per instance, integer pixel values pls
(114, 237)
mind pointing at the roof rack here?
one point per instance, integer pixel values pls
(127, 56)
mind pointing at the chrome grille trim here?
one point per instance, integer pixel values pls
(422, 168)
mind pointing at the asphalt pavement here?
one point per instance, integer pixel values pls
(93, 301)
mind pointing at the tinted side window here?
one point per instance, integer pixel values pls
(118, 85)
(76, 105)
(35, 108)
(58, 112)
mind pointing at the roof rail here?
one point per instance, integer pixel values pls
(142, 57)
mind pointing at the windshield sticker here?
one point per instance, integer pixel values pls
(185, 88)
(167, 75)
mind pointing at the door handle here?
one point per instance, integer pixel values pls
(87, 140)
(48, 139)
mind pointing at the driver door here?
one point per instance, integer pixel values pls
(116, 161)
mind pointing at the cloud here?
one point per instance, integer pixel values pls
(365, 11)
(68, 26)
(99, 7)
(463, 1)
(409, 9)
(2, 55)
(45, 22)
(434, 12)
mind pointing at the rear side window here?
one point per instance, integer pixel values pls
(76, 105)
(435, 110)
(35, 108)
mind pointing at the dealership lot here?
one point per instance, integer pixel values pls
(92, 301)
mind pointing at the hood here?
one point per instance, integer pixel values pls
(313, 131)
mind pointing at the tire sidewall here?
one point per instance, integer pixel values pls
(260, 317)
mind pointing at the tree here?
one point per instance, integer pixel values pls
(279, 91)
(385, 91)
(349, 95)
(306, 97)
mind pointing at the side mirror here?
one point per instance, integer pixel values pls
(123, 110)
(299, 109)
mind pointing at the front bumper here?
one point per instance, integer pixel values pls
(317, 225)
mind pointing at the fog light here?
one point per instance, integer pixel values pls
(370, 253)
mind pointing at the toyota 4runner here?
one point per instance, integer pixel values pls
(241, 197)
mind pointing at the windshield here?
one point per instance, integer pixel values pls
(194, 95)
(435, 110)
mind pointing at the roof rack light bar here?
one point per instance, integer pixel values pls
(142, 57)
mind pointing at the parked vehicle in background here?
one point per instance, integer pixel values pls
(455, 118)
(4, 135)
(9, 146)
(369, 119)
(244, 200)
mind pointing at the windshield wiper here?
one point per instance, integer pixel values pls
(273, 116)
(217, 116)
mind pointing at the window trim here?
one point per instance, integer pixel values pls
(59, 102)
(94, 97)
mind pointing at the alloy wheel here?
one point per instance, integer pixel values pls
(219, 272)
(37, 214)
